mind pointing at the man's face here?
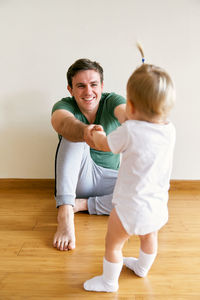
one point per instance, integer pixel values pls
(87, 89)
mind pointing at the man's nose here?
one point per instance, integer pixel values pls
(88, 89)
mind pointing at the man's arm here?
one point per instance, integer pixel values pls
(68, 126)
(120, 113)
(71, 128)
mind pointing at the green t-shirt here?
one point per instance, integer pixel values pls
(105, 117)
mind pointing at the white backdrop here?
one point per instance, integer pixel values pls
(40, 39)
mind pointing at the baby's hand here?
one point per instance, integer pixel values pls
(99, 138)
(97, 132)
(97, 128)
(93, 135)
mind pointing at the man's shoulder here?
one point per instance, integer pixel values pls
(112, 100)
(67, 103)
(112, 95)
(108, 103)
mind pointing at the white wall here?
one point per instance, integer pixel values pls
(40, 39)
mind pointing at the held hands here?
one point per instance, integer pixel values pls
(88, 138)
(96, 130)
(96, 138)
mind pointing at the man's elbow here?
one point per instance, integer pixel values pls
(55, 125)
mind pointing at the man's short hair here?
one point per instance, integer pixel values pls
(83, 64)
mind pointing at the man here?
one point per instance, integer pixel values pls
(84, 177)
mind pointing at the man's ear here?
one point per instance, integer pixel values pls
(102, 84)
(70, 90)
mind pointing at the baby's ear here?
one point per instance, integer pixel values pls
(131, 105)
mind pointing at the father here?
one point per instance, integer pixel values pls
(84, 177)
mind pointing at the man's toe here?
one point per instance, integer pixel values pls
(71, 245)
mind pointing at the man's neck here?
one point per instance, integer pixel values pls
(90, 117)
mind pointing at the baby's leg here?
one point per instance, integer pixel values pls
(113, 261)
(148, 252)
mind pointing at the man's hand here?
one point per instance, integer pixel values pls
(95, 137)
(98, 128)
(88, 135)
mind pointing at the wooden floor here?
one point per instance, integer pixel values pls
(30, 268)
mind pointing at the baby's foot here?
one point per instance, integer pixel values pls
(97, 284)
(132, 263)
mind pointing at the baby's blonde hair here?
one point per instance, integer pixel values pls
(151, 90)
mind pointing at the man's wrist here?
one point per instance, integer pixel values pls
(85, 133)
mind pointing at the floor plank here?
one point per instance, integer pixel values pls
(30, 268)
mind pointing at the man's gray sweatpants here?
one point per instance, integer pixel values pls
(77, 176)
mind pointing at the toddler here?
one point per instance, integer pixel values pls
(146, 141)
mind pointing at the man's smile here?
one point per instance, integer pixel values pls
(89, 99)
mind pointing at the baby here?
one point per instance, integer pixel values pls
(146, 141)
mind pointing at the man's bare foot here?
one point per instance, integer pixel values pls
(64, 238)
(80, 205)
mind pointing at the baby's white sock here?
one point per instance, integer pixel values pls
(108, 281)
(142, 265)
